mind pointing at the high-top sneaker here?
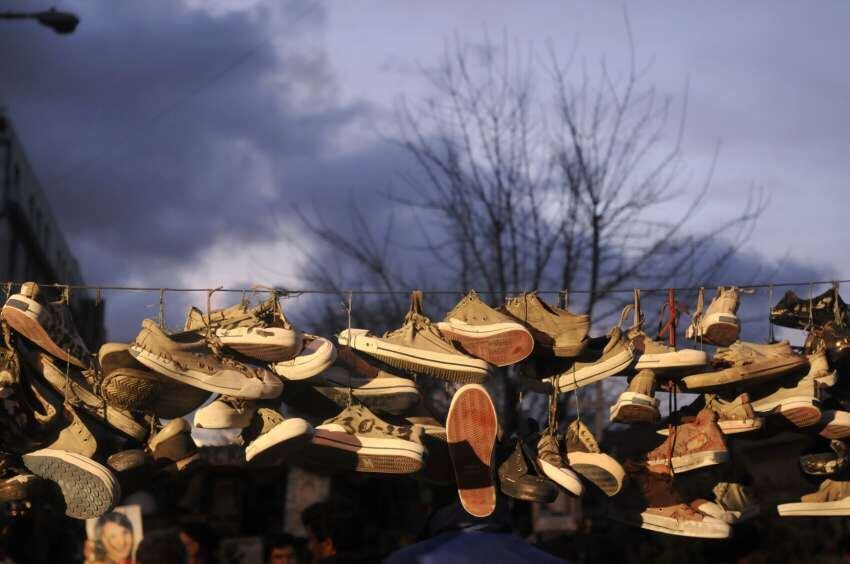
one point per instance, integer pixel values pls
(518, 480)
(638, 403)
(747, 363)
(187, 358)
(553, 464)
(47, 324)
(718, 324)
(586, 458)
(691, 445)
(831, 499)
(471, 428)
(826, 463)
(226, 413)
(733, 503)
(272, 438)
(418, 346)
(317, 354)
(555, 330)
(485, 333)
(794, 312)
(734, 413)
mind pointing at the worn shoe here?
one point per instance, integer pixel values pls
(481, 331)
(21, 487)
(831, 499)
(261, 332)
(418, 346)
(555, 330)
(733, 503)
(718, 324)
(172, 447)
(653, 503)
(128, 384)
(186, 358)
(10, 371)
(317, 354)
(226, 413)
(691, 445)
(133, 468)
(471, 428)
(586, 458)
(272, 439)
(655, 355)
(834, 424)
(734, 415)
(835, 339)
(438, 463)
(794, 312)
(518, 480)
(819, 369)
(638, 403)
(553, 466)
(826, 463)
(795, 398)
(747, 363)
(89, 488)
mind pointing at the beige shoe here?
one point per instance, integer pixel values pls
(835, 424)
(746, 363)
(638, 403)
(185, 357)
(585, 457)
(555, 330)
(733, 503)
(317, 354)
(655, 355)
(418, 346)
(273, 439)
(735, 415)
(831, 499)
(226, 413)
(485, 333)
(796, 398)
(172, 447)
(718, 325)
(553, 464)
(691, 445)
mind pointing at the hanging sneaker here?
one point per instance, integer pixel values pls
(553, 466)
(638, 403)
(691, 445)
(261, 332)
(172, 448)
(471, 428)
(794, 397)
(793, 312)
(733, 503)
(834, 424)
(273, 439)
(555, 330)
(652, 503)
(835, 339)
(655, 355)
(226, 412)
(481, 331)
(718, 324)
(734, 415)
(418, 346)
(438, 463)
(186, 358)
(819, 369)
(48, 325)
(358, 440)
(317, 354)
(518, 480)
(22, 487)
(826, 463)
(586, 458)
(128, 384)
(831, 499)
(745, 364)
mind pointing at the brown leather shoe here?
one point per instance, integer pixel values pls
(691, 445)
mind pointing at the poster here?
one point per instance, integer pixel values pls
(113, 537)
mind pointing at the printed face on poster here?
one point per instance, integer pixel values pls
(113, 537)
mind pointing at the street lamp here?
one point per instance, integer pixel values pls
(60, 22)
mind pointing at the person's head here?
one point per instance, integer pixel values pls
(199, 540)
(283, 549)
(114, 533)
(161, 547)
(332, 527)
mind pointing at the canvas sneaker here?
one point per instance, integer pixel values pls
(418, 346)
(586, 458)
(261, 332)
(794, 312)
(21, 487)
(655, 355)
(555, 330)
(438, 463)
(652, 503)
(835, 339)
(733, 503)
(819, 369)
(226, 412)
(831, 499)
(735, 414)
(834, 424)
(553, 465)
(317, 354)
(46, 324)
(693, 445)
(273, 439)
(172, 447)
(796, 398)
(185, 357)
(517, 479)
(638, 403)
(471, 428)
(718, 324)
(826, 463)
(481, 331)
(747, 363)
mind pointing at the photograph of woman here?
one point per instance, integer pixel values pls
(113, 537)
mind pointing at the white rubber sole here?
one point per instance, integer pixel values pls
(333, 446)
(721, 329)
(825, 509)
(708, 528)
(632, 407)
(500, 344)
(317, 354)
(683, 358)
(689, 462)
(599, 468)
(837, 424)
(564, 477)
(572, 379)
(288, 436)
(27, 317)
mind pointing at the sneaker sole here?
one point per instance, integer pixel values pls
(454, 368)
(632, 407)
(685, 358)
(736, 374)
(563, 477)
(140, 390)
(275, 447)
(837, 425)
(585, 375)
(471, 428)
(721, 329)
(715, 529)
(279, 345)
(500, 344)
(540, 492)
(824, 509)
(333, 448)
(730, 427)
(89, 489)
(600, 469)
(317, 355)
(23, 314)
(688, 462)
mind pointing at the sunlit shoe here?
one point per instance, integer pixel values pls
(471, 428)
(273, 439)
(747, 364)
(795, 398)
(718, 324)
(317, 354)
(46, 324)
(794, 312)
(226, 413)
(185, 357)
(834, 424)
(518, 479)
(734, 414)
(638, 403)
(831, 499)
(481, 331)
(733, 503)
(655, 355)
(553, 464)
(586, 458)
(418, 346)
(555, 330)
(826, 463)
(833, 338)
(172, 447)
(691, 445)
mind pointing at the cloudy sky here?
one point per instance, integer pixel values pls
(174, 139)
